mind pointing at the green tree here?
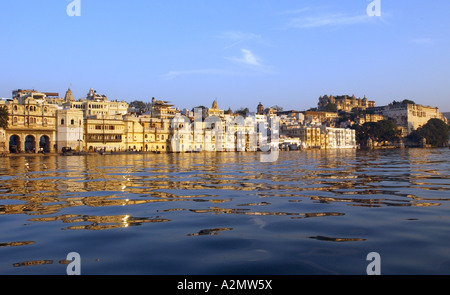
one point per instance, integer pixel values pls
(405, 101)
(436, 132)
(242, 112)
(140, 106)
(331, 107)
(4, 117)
(388, 131)
(385, 130)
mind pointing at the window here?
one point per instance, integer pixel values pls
(62, 121)
(72, 122)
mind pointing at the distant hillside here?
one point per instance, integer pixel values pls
(447, 115)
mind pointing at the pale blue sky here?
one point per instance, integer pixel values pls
(286, 52)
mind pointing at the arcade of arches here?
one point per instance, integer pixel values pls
(30, 142)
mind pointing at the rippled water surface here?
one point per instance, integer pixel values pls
(311, 212)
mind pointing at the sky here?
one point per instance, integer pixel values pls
(239, 52)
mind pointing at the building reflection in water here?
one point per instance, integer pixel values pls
(47, 185)
(210, 231)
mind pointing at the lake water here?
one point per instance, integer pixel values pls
(311, 212)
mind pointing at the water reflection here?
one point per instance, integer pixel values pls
(330, 239)
(49, 185)
(100, 222)
(210, 231)
(229, 199)
(15, 244)
(32, 262)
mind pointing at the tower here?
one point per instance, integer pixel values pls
(69, 95)
(214, 105)
(260, 109)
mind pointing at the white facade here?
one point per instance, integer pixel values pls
(70, 129)
(411, 116)
(340, 138)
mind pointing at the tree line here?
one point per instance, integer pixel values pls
(435, 132)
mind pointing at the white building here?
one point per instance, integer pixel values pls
(411, 116)
(340, 138)
(70, 129)
(96, 104)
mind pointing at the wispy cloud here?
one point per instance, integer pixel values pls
(238, 37)
(247, 58)
(245, 63)
(315, 17)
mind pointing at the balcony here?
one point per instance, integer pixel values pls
(99, 138)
